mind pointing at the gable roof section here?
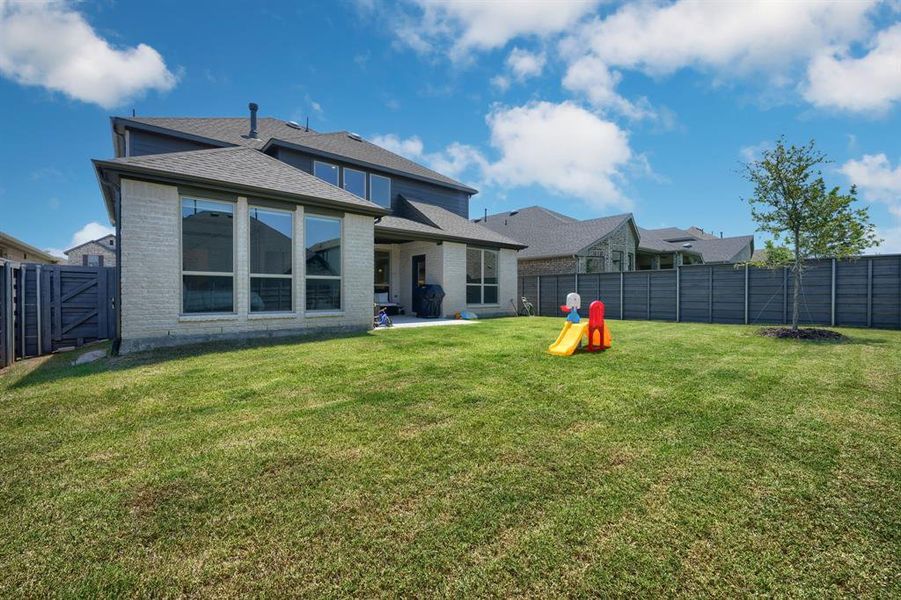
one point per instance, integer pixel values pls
(221, 131)
(527, 225)
(648, 240)
(419, 219)
(9, 240)
(722, 249)
(342, 145)
(239, 169)
(97, 241)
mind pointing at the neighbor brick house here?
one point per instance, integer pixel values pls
(238, 227)
(95, 253)
(557, 243)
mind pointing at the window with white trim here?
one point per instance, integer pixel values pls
(355, 182)
(271, 279)
(326, 172)
(481, 276)
(207, 250)
(380, 190)
(322, 236)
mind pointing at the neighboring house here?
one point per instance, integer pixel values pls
(244, 226)
(14, 250)
(96, 253)
(557, 243)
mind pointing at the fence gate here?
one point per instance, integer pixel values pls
(47, 307)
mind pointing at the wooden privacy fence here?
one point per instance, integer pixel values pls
(47, 307)
(863, 292)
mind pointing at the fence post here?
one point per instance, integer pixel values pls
(621, 310)
(678, 293)
(746, 293)
(6, 315)
(710, 295)
(870, 292)
(832, 302)
(538, 294)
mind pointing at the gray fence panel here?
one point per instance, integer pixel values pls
(548, 294)
(766, 296)
(589, 287)
(608, 293)
(728, 294)
(694, 288)
(851, 293)
(529, 289)
(635, 295)
(886, 292)
(663, 295)
(816, 293)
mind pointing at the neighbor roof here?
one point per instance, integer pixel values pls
(418, 219)
(722, 249)
(275, 132)
(96, 241)
(549, 234)
(239, 169)
(9, 240)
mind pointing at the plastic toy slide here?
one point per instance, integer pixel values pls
(569, 339)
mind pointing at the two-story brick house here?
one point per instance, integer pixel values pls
(235, 227)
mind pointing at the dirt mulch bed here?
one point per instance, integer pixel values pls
(817, 335)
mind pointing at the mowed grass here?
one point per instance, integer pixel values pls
(459, 461)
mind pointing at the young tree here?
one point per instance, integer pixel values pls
(791, 202)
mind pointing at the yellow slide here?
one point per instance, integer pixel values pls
(569, 339)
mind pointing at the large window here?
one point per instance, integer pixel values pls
(326, 172)
(481, 276)
(355, 182)
(382, 276)
(207, 242)
(322, 236)
(380, 190)
(270, 260)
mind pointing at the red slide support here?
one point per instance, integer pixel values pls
(598, 335)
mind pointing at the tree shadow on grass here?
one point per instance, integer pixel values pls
(60, 366)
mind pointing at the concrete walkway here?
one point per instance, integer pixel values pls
(403, 321)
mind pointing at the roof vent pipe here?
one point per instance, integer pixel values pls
(486, 215)
(721, 235)
(253, 119)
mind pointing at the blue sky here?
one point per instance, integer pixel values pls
(588, 108)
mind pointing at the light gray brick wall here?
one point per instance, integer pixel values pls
(454, 278)
(151, 277)
(93, 249)
(434, 269)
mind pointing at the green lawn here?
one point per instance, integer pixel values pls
(459, 461)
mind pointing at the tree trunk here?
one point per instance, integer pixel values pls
(796, 292)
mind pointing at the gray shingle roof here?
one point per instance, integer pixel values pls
(549, 234)
(246, 168)
(230, 130)
(270, 131)
(419, 218)
(722, 249)
(649, 241)
(341, 143)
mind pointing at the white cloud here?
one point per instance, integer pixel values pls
(47, 44)
(580, 154)
(771, 41)
(524, 64)
(754, 151)
(410, 147)
(91, 231)
(869, 83)
(501, 82)
(466, 25)
(876, 179)
(891, 241)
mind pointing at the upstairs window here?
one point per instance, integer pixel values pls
(326, 172)
(617, 260)
(481, 276)
(380, 190)
(355, 182)
(207, 242)
(270, 260)
(322, 236)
